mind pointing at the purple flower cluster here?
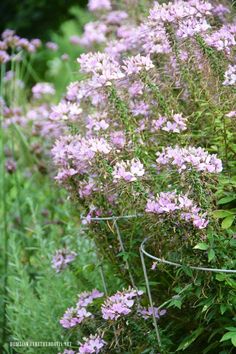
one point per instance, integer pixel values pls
(128, 170)
(175, 124)
(230, 76)
(96, 122)
(173, 203)
(10, 40)
(176, 11)
(41, 123)
(119, 304)
(114, 307)
(187, 18)
(147, 313)
(93, 344)
(86, 298)
(107, 24)
(74, 154)
(189, 158)
(87, 188)
(65, 111)
(104, 68)
(52, 46)
(98, 5)
(42, 89)
(73, 316)
(134, 100)
(231, 114)
(76, 315)
(222, 39)
(62, 258)
(4, 57)
(10, 165)
(94, 33)
(136, 64)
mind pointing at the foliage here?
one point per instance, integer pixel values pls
(144, 144)
(34, 18)
(144, 108)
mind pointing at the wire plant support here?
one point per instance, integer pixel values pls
(143, 252)
(119, 238)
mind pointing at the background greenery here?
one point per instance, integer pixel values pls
(36, 18)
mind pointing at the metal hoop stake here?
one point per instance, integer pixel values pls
(150, 298)
(103, 279)
(106, 293)
(162, 260)
(115, 218)
(123, 250)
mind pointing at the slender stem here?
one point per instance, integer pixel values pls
(103, 279)
(150, 298)
(17, 184)
(123, 250)
(106, 293)
(4, 210)
(225, 142)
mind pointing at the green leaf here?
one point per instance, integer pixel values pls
(231, 329)
(176, 302)
(190, 339)
(229, 336)
(89, 267)
(233, 340)
(226, 200)
(187, 270)
(223, 308)
(226, 336)
(220, 214)
(231, 283)
(227, 222)
(221, 277)
(201, 246)
(211, 255)
(124, 255)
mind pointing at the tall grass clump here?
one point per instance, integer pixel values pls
(37, 224)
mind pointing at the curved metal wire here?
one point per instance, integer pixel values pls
(150, 298)
(162, 260)
(143, 253)
(113, 217)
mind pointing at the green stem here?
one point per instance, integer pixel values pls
(17, 184)
(4, 211)
(225, 142)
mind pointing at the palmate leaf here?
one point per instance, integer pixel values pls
(190, 339)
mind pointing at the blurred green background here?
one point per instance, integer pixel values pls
(36, 18)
